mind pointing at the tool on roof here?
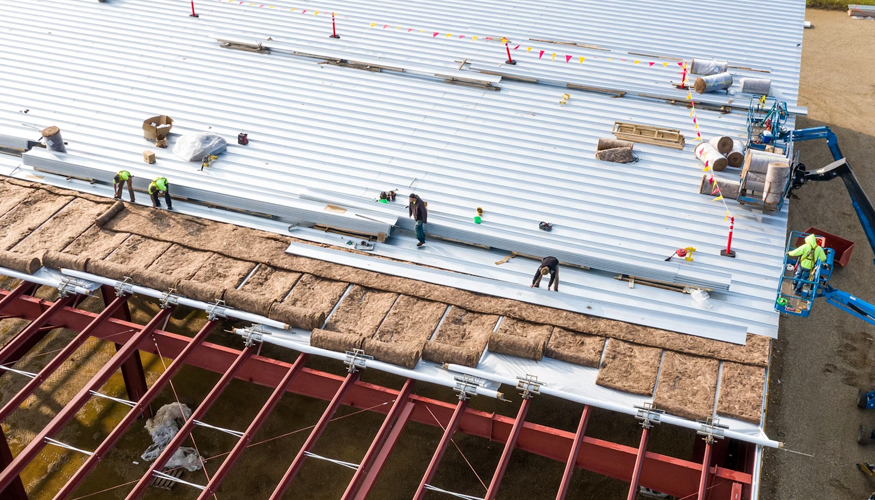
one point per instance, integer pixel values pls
(207, 160)
(333, 28)
(565, 98)
(686, 253)
(242, 139)
(545, 226)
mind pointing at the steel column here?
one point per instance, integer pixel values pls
(452, 425)
(317, 431)
(571, 464)
(78, 401)
(508, 449)
(379, 439)
(706, 471)
(256, 424)
(189, 424)
(60, 358)
(27, 338)
(385, 451)
(132, 369)
(131, 416)
(25, 287)
(14, 491)
(639, 463)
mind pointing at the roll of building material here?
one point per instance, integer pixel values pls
(53, 138)
(296, 317)
(439, 352)
(708, 154)
(616, 155)
(723, 144)
(611, 143)
(58, 260)
(153, 280)
(707, 67)
(248, 301)
(19, 262)
(200, 291)
(776, 181)
(404, 354)
(758, 161)
(109, 214)
(728, 187)
(760, 86)
(515, 345)
(736, 156)
(336, 341)
(107, 269)
(755, 182)
(713, 83)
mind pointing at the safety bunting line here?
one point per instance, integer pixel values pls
(295, 9)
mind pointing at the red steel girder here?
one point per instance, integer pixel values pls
(23, 288)
(385, 451)
(14, 491)
(508, 449)
(639, 464)
(131, 416)
(450, 429)
(706, 469)
(132, 369)
(315, 434)
(188, 426)
(31, 450)
(30, 335)
(377, 444)
(256, 424)
(571, 463)
(670, 475)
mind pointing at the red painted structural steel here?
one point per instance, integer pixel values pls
(132, 370)
(131, 417)
(254, 426)
(188, 426)
(315, 434)
(23, 288)
(39, 442)
(27, 338)
(508, 449)
(15, 491)
(571, 463)
(385, 451)
(379, 439)
(639, 464)
(451, 428)
(670, 475)
(706, 470)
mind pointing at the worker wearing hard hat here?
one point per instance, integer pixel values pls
(119, 180)
(158, 186)
(809, 253)
(549, 265)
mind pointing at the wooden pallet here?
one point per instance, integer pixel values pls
(669, 138)
(166, 484)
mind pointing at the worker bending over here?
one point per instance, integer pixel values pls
(550, 265)
(117, 182)
(160, 186)
(809, 253)
(419, 213)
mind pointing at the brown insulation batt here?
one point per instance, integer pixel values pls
(248, 301)
(687, 385)
(63, 228)
(629, 367)
(336, 341)
(138, 252)
(316, 294)
(109, 214)
(11, 195)
(445, 353)
(271, 282)
(95, 243)
(24, 263)
(464, 335)
(741, 392)
(199, 291)
(404, 354)
(58, 260)
(223, 272)
(411, 320)
(151, 279)
(179, 262)
(109, 270)
(611, 143)
(361, 311)
(577, 348)
(616, 155)
(297, 317)
(28, 215)
(521, 347)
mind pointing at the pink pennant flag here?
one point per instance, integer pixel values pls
(304, 12)
(541, 54)
(488, 38)
(385, 26)
(694, 120)
(461, 37)
(651, 65)
(516, 47)
(568, 58)
(411, 29)
(435, 34)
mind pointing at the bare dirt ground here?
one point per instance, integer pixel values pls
(819, 362)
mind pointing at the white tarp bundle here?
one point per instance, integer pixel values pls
(195, 146)
(163, 427)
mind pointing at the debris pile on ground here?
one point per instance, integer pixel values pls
(163, 427)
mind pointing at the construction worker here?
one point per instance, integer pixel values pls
(419, 213)
(809, 253)
(158, 186)
(118, 181)
(549, 265)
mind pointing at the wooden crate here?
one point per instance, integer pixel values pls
(647, 134)
(162, 483)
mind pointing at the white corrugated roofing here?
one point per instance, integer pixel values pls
(97, 70)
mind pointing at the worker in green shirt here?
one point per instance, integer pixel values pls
(119, 180)
(809, 254)
(158, 186)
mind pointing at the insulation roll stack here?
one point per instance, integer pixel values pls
(728, 188)
(614, 151)
(521, 347)
(722, 144)
(758, 161)
(707, 153)
(760, 86)
(53, 138)
(707, 67)
(776, 181)
(736, 155)
(713, 83)
(755, 182)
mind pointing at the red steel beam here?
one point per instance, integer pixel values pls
(706, 469)
(132, 369)
(27, 338)
(188, 426)
(385, 451)
(508, 449)
(639, 464)
(60, 358)
(451, 428)
(14, 491)
(377, 444)
(315, 434)
(670, 475)
(23, 288)
(131, 416)
(32, 450)
(571, 463)
(256, 424)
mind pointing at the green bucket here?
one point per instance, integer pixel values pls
(477, 220)
(782, 301)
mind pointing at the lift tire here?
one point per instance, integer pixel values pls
(861, 399)
(862, 437)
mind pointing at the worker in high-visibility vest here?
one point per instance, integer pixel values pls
(158, 186)
(119, 180)
(809, 253)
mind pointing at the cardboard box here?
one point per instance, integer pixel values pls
(148, 157)
(157, 127)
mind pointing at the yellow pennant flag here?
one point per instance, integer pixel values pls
(528, 49)
(707, 168)
(474, 38)
(270, 7)
(581, 60)
(449, 35)
(316, 13)
(696, 125)
(689, 96)
(718, 198)
(691, 112)
(636, 62)
(294, 10)
(609, 59)
(372, 24)
(554, 57)
(664, 65)
(726, 217)
(422, 31)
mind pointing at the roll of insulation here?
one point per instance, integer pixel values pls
(707, 67)
(722, 143)
(755, 182)
(758, 161)
(709, 155)
(736, 156)
(776, 181)
(53, 138)
(728, 187)
(713, 83)
(760, 86)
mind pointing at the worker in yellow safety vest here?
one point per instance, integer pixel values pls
(809, 253)
(119, 180)
(158, 186)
